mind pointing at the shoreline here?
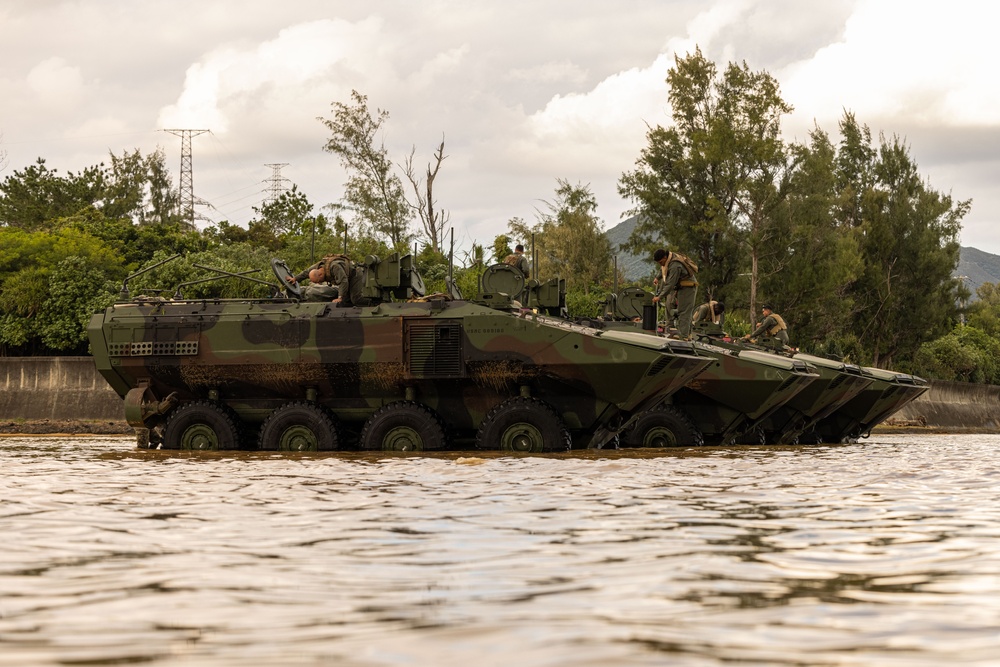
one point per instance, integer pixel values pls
(64, 427)
(82, 427)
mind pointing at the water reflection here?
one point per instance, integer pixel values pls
(879, 553)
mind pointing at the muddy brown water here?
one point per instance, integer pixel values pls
(881, 553)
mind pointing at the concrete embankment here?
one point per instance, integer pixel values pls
(955, 407)
(56, 394)
(46, 394)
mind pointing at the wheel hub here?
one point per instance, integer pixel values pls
(298, 439)
(660, 437)
(522, 438)
(200, 437)
(402, 439)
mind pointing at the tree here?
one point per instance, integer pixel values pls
(288, 215)
(163, 200)
(34, 197)
(372, 190)
(905, 294)
(569, 241)
(814, 259)
(50, 284)
(984, 313)
(688, 176)
(432, 218)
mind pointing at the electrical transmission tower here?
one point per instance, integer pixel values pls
(277, 183)
(187, 173)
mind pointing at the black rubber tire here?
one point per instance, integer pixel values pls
(202, 425)
(404, 426)
(810, 437)
(663, 426)
(299, 427)
(523, 425)
(755, 436)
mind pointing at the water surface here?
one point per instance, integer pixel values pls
(881, 553)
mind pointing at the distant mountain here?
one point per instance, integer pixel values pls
(633, 267)
(977, 267)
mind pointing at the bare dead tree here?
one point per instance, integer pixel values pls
(433, 219)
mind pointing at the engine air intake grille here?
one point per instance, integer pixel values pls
(435, 350)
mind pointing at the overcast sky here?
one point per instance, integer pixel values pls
(524, 92)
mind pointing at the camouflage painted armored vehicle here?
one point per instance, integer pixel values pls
(424, 373)
(837, 384)
(726, 402)
(888, 392)
(505, 287)
(845, 404)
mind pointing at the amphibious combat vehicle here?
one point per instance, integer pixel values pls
(748, 395)
(410, 372)
(728, 401)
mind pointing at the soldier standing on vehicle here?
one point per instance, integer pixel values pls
(679, 274)
(518, 260)
(772, 326)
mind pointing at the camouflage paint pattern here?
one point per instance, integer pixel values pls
(458, 358)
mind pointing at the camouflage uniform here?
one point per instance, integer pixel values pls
(679, 278)
(772, 327)
(704, 313)
(348, 280)
(519, 262)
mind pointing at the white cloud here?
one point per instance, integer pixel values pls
(225, 82)
(929, 62)
(53, 79)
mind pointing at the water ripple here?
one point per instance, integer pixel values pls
(886, 552)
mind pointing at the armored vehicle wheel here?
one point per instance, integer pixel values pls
(755, 436)
(299, 427)
(402, 427)
(663, 426)
(811, 437)
(523, 425)
(201, 425)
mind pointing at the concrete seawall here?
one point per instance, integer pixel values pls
(956, 406)
(63, 389)
(56, 388)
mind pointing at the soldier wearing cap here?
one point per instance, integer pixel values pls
(678, 274)
(772, 326)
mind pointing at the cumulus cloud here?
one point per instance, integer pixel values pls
(924, 61)
(224, 82)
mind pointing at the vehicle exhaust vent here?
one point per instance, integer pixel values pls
(434, 349)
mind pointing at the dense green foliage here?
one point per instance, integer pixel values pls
(846, 239)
